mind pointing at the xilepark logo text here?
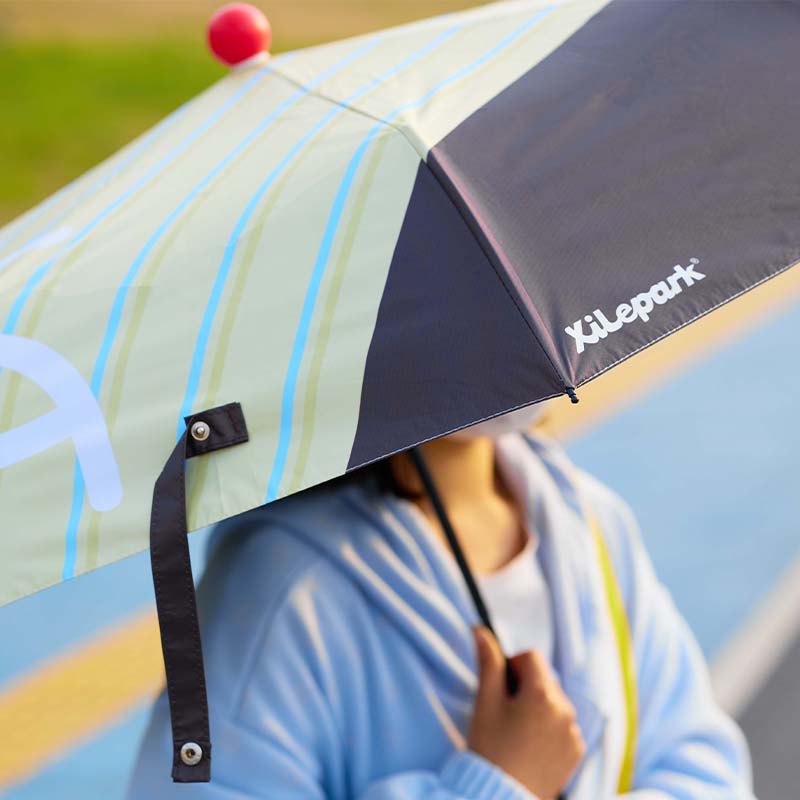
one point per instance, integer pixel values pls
(640, 307)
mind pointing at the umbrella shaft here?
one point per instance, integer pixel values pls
(461, 560)
(417, 458)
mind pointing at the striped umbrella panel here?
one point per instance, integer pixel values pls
(375, 242)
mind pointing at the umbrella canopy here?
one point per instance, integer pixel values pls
(375, 242)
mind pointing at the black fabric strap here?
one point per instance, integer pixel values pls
(205, 432)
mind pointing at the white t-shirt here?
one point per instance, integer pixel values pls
(519, 604)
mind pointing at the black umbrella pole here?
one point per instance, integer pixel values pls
(452, 539)
(512, 684)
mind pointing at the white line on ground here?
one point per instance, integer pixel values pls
(746, 663)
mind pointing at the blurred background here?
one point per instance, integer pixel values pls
(80, 662)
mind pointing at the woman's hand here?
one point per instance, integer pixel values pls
(532, 736)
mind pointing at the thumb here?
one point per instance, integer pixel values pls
(491, 668)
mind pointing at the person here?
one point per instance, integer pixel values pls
(344, 660)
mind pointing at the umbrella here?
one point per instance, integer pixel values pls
(340, 253)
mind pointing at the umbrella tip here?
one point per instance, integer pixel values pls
(573, 395)
(239, 35)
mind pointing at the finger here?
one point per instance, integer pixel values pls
(532, 670)
(491, 666)
(577, 742)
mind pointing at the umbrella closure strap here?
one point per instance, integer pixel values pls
(176, 604)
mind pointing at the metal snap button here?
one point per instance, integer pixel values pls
(191, 754)
(200, 431)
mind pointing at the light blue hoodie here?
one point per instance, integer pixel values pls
(340, 660)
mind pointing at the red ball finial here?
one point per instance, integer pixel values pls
(238, 32)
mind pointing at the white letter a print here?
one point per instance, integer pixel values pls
(76, 416)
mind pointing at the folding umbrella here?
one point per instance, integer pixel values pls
(346, 251)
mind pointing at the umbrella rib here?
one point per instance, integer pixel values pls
(521, 299)
(301, 335)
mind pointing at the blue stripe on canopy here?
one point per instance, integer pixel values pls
(298, 350)
(122, 198)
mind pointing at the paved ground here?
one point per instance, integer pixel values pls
(709, 461)
(771, 724)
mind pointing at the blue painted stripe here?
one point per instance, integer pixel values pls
(212, 306)
(306, 316)
(115, 317)
(71, 547)
(39, 274)
(106, 176)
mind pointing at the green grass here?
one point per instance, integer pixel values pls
(65, 107)
(67, 103)
(113, 71)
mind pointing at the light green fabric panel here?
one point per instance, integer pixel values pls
(251, 339)
(229, 199)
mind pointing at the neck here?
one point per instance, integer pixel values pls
(463, 470)
(485, 519)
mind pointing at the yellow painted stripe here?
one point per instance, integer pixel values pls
(74, 696)
(622, 634)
